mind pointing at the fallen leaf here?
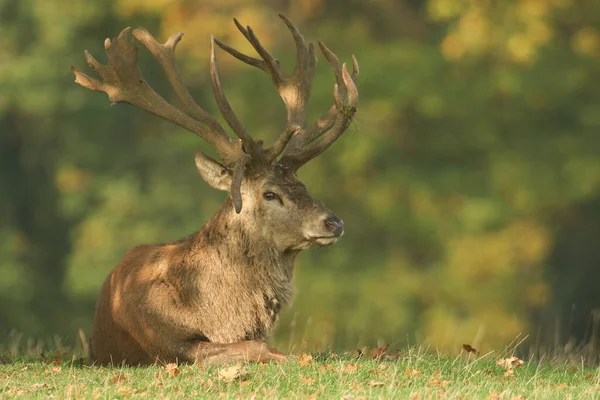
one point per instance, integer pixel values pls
(361, 352)
(172, 369)
(350, 368)
(494, 396)
(562, 386)
(379, 352)
(326, 367)
(119, 378)
(509, 373)
(437, 382)
(306, 381)
(305, 359)
(232, 373)
(53, 370)
(376, 383)
(510, 362)
(469, 349)
(414, 372)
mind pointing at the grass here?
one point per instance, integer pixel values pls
(410, 374)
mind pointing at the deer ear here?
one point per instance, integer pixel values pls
(215, 174)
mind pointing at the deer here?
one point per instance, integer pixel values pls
(214, 296)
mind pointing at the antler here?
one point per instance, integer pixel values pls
(122, 81)
(294, 90)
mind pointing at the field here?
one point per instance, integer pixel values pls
(412, 373)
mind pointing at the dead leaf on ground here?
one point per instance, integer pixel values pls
(306, 381)
(414, 372)
(305, 359)
(562, 386)
(232, 373)
(437, 382)
(172, 369)
(470, 349)
(350, 368)
(589, 377)
(379, 352)
(119, 378)
(53, 370)
(376, 383)
(510, 362)
(509, 373)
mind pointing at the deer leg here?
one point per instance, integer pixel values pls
(221, 353)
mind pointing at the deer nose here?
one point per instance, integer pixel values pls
(334, 225)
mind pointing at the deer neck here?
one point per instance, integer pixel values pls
(237, 246)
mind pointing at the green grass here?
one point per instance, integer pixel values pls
(412, 374)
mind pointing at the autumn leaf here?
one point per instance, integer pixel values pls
(589, 377)
(306, 381)
(510, 363)
(119, 378)
(562, 386)
(350, 368)
(469, 349)
(379, 352)
(437, 382)
(232, 373)
(376, 383)
(361, 352)
(326, 367)
(414, 372)
(305, 359)
(172, 369)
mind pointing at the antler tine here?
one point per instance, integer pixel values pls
(123, 82)
(165, 55)
(294, 90)
(334, 122)
(222, 102)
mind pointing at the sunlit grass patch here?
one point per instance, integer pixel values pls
(412, 373)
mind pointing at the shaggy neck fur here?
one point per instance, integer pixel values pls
(238, 273)
(240, 246)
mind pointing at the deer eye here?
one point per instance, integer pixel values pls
(271, 196)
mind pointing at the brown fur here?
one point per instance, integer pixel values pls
(215, 295)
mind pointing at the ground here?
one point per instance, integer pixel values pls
(413, 373)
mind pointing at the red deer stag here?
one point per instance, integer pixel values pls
(214, 296)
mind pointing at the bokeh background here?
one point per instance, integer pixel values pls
(469, 182)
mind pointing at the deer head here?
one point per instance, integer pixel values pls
(261, 182)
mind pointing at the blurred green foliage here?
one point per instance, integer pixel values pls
(469, 183)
